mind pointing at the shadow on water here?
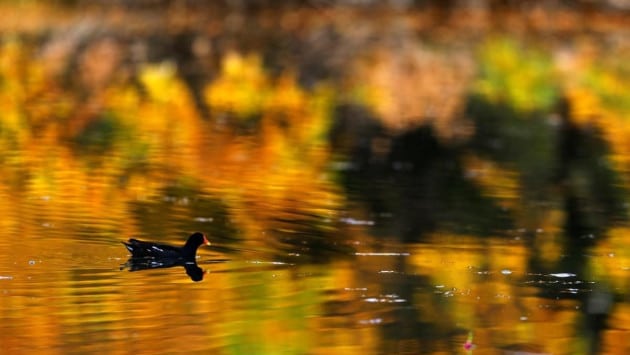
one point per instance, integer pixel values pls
(592, 198)
(411, 181)
(414, 185)
(193, 271)
(559, 161)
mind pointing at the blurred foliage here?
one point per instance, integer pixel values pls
(598, 92)
(516, 74)
(242, 87)
(141, 139)
(608, 79)
(101, 135)
(613, 256)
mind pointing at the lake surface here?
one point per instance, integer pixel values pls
(364, 190)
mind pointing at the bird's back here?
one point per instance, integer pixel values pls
(142, 249)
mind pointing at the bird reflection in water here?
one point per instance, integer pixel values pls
(193, 271)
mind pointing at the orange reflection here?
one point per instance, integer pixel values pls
(79, 155)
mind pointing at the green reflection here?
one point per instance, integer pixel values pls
(517, 74)
(483, 190)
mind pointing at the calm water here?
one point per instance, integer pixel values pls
(63, 291)
(423, 188)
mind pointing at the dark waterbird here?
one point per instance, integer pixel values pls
(150, 255)
(151, 250)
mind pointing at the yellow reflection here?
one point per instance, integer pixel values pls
(597, 90)
(496, 182)
(127, 142)
(611, 261)
(242, 87)
(152, 137)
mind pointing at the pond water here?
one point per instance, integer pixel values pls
(65, 290)
(364, 190)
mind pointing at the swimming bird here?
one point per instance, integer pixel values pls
(143, 249)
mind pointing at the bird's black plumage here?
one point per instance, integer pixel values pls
(143, 249)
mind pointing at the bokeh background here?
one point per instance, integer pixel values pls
(379, 177)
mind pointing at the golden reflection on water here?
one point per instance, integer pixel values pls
(300, 263)
(72, 298)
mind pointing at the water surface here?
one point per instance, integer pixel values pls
(420, 188)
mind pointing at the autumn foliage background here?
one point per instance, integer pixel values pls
(274, 114)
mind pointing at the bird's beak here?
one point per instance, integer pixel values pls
(205, 240)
